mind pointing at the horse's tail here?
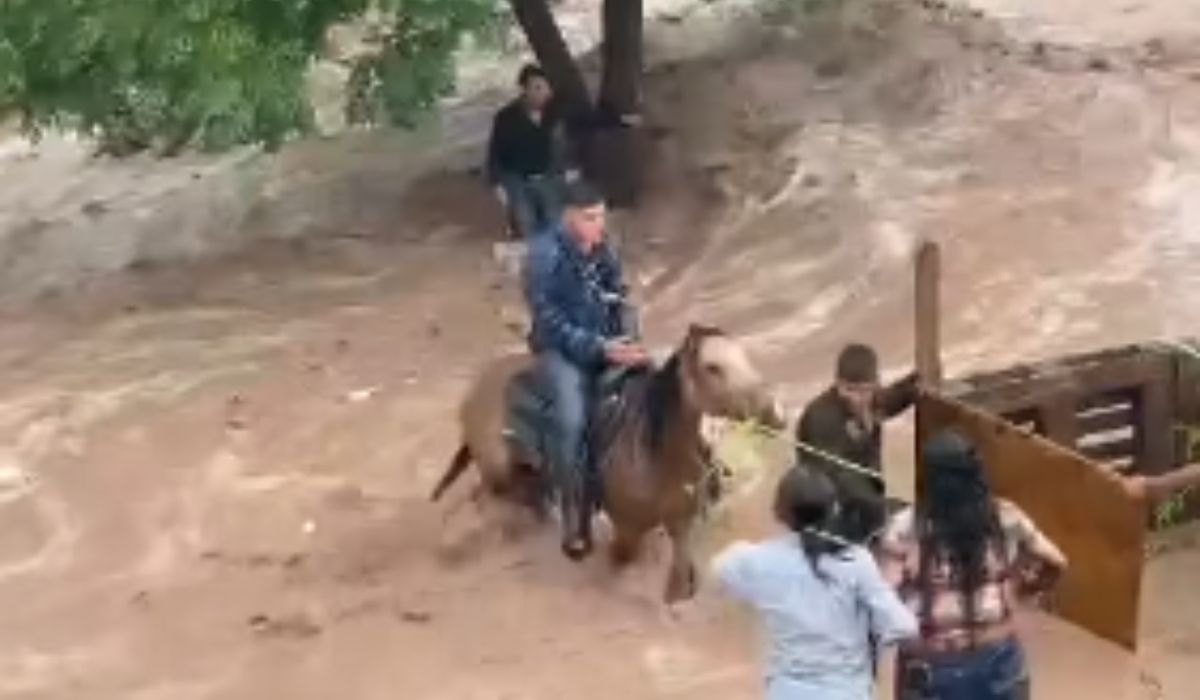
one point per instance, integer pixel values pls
(458, 465)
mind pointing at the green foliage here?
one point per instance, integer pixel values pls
(170, 74)
(414, 66)
(1172, 511)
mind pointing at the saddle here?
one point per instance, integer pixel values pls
(530, 420)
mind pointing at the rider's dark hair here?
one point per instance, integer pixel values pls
(581, 195)
(529, 72)
(858, 364)
(958, 522)
(805, 501)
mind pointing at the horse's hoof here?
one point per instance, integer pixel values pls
(679, 590)
(576, 549)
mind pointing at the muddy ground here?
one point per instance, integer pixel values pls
(213, 475)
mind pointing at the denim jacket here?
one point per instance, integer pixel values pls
(577, 300)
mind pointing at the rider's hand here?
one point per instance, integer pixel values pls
(625, 353)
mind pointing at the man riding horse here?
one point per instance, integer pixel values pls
(581, 328)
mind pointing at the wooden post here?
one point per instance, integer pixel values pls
(928, 322)
(928, 341)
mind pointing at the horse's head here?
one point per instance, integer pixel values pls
(720, 380)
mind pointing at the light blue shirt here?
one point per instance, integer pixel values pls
(817, 630)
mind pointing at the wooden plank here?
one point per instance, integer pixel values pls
(1032, 374)
(1082, 382)
(1078, 505)
(1115, 418)
(1186, 390)
(1108, 400)
(1066, 363)
(1154, 408)
(1059, 420)
(1110, 450)
(928, 308)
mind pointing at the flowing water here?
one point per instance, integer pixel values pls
(213, 476)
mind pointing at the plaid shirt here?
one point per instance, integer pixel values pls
(941, 612)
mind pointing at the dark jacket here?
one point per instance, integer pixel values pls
(521, 147)
(577, 301)
(829, 424)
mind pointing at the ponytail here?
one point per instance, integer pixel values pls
(805, 501)
(817, 544)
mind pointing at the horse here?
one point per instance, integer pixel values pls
(651, 456)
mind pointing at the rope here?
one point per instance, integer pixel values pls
(714, 465)
(815, 451)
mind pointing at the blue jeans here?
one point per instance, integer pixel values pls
(994, 672)
(533, 202)
(567, 388)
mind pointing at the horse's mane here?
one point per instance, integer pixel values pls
(662, 399)
(664, 391)
(651, 398)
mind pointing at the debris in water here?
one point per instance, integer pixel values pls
(296, 626)
(360, 395)
(415, 617)
(95, 208)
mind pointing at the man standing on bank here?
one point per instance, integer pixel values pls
(847, 422)
(524, 155)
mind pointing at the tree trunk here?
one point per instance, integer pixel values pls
(541, 30)
(621, 84)
(616, 146)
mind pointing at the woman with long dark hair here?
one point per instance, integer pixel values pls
(961, 559)
(821, 599)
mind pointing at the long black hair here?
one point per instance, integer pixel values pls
(805, 501)
(958, 522)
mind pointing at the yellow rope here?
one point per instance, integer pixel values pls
(715, 464)
(815, 451)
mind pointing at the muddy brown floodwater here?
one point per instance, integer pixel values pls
(213, 477)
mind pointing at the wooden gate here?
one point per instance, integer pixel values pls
(1077, 504)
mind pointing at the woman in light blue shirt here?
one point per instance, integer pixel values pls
(820, 599)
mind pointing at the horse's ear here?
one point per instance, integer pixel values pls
(699, 330)
(691, 341)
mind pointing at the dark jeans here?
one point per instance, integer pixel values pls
(995, 672)
(533, 202)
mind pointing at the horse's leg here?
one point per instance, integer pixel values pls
(681, 577)
(532, 491)
(626, 545)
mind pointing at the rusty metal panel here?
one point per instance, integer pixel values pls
(1099, 527)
